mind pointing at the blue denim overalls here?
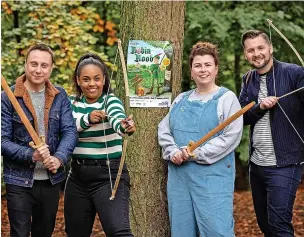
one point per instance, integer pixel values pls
(200, 196)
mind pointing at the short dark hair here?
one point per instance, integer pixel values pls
(91, 59)
(41, 47)
(252, 34)
(203, 48)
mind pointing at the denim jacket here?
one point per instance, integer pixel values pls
(60, 133)
(286, 77)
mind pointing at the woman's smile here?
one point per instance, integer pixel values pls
(91, 81)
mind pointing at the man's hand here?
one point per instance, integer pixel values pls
(52, 163)
(41, 153)
(268, 102)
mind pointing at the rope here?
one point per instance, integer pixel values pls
(104, 131)
(275, 92)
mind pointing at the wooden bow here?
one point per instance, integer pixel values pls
(127, 108)
(302, 62)
(294, 50)
(193, 145)
(287, 41)
(37, 141)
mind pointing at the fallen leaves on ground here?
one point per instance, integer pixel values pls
(245, 220)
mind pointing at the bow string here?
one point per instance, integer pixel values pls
(301, 60)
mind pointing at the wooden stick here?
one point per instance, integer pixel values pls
(37, 142)
(193, 145)
(125, 141)
(20, 112)
(287, 41)
(124, 68)
(122, 161)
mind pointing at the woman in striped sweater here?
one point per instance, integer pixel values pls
(101, 124)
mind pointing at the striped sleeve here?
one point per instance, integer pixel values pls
(101, 140)
(116, 112)
(81, 119)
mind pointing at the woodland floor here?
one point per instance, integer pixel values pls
(245, 221)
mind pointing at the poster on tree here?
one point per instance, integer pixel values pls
(149, 67)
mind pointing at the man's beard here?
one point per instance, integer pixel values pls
(263, 65)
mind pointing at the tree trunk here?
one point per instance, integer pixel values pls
(237, 71)
(146, 20)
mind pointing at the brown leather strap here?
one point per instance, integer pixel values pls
(248, 77)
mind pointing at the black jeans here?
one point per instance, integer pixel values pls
(32, 209)
(274, 192)
(88, 191)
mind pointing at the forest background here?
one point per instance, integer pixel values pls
(75, 27)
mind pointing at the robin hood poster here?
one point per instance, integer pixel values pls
(149, 67)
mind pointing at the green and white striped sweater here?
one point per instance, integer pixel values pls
(97, 141)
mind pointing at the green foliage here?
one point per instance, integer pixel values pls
(110, 13)
(75, 27)
(69, 28)
(223, 23)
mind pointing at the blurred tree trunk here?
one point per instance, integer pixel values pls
(145, 20)
(237, 70)
(242, 172)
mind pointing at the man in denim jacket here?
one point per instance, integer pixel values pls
(276, 133)
(33, 176)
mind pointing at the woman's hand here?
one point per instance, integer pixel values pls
(177, 158)
(185, 154)
(96, 116)
(128, 124)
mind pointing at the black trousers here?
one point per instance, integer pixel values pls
(87, 192)
(32, 209)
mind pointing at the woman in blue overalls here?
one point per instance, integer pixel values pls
(200, 189)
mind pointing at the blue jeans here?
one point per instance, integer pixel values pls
(274, 192)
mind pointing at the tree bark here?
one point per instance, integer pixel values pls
(147, 20)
